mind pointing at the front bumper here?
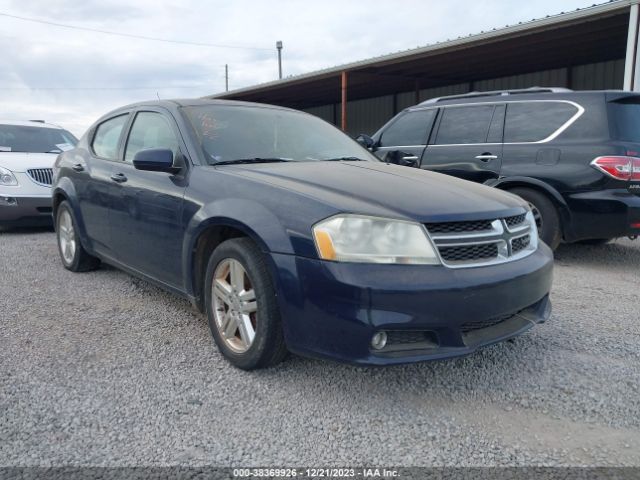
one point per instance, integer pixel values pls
(332, 310)
(603, 214)
(25, 210)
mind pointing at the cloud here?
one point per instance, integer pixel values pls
(73, 64)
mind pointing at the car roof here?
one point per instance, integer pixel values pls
(535, 93)
(30, 123)
(192, 102)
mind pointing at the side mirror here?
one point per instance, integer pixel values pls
(155, 160)
(365, 140)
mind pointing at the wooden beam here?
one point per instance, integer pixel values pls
(343, 116)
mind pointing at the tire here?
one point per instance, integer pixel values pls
(238, 268)
(595, 241)
(547, 217)
(73, 255)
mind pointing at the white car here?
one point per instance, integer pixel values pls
(27, 153)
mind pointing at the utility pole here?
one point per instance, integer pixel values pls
(226, 77)
(279, 47)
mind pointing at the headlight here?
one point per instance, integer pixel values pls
(358, 238)
(7, 179)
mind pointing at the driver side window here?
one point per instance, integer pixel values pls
(150, 130)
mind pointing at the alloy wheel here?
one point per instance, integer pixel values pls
(66, 237)
(235, 306)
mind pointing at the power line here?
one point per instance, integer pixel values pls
(129, 35)
(106, 88)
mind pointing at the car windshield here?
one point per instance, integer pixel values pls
(23, 138)
(230, 134)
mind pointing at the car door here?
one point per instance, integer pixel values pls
(146, 219)
(467, 142)
(92, 179)
(405, 138)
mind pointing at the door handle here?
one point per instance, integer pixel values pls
(410, 157)
(78, 167)
(119, 178)
(485, 157)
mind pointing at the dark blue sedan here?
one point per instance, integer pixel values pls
(292, 237)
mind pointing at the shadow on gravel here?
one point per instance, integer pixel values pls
(25, 230)
(622, 253)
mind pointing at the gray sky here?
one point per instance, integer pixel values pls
(71, 77)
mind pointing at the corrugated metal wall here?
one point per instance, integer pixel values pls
(367, 115)
(546, 78)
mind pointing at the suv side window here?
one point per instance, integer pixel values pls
(150, 130)
(466, 125)
(107, 136)
(411, 128)
(535, 121)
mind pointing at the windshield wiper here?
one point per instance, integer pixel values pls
(344, 159)
(253, 160)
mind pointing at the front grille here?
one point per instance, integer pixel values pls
(42, 176)
(458, 227)
(490, 322)
(514, 221)
(518, 244)
(472, 326)
(469, 253)
(482, 242)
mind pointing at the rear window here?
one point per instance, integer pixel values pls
(624, 116)
(535, 121)
(465, 124)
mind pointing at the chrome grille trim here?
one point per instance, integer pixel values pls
(41, 176)
(514, 237)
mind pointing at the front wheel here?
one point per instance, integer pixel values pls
(243, 314)
(74, 257)
(545, 214)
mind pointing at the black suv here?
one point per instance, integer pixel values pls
(574, 156)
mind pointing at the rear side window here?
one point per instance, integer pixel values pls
(107, 137)
(535, 121)
(411, 128)
(624, 116)
(465, 124)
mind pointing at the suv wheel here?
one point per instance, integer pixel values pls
(241, 306)
(545, 214)
(74, 257)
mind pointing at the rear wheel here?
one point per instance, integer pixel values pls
(243, 314)
(545, 214)
(74, 257)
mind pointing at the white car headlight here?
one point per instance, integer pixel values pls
(359, 238)
(7, 178)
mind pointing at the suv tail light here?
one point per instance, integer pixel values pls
(619, 167)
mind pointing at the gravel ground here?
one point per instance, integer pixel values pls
(103, 369)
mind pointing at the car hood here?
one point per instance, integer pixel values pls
(22, 161)
(385, 190)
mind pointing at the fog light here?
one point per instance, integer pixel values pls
(379, 341)
(8, 201)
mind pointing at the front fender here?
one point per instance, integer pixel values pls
(248, 216)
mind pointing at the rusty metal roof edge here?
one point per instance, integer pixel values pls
(580, 13)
